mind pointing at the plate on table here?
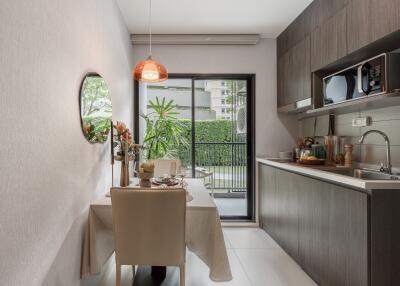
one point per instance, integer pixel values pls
(165, 181)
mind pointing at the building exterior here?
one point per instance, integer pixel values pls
(180, 90)
(220, 93)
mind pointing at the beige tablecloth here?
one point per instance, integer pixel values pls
(204, 235)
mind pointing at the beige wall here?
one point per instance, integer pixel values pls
(373, 151)
(48, 171)
(274, 133)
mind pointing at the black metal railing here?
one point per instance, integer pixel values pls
(222, 165)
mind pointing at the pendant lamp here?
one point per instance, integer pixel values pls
(150, 70)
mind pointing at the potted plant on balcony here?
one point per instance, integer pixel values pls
(164, 131)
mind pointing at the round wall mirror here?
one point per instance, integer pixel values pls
(96, 108)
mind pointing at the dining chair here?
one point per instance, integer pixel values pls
(149, 228)
(163, 166)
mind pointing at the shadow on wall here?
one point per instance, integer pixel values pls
(292, 125)
(67, 262)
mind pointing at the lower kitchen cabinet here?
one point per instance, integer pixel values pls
(267, 200)
(286, 216)
(333, 233)
(322, 226)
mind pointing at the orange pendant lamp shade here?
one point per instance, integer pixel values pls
(150, 71)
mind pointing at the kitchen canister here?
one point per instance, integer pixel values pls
(318, 150)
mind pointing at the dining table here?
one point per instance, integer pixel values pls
(204, 235)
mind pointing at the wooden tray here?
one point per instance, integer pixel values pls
(312, 162)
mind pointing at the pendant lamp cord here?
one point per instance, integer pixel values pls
(150, 26)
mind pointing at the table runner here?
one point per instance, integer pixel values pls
(204, 235)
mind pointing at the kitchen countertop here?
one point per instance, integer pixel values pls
(325, 173)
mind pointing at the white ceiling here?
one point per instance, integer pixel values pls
(265, 17)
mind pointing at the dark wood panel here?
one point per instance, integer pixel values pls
(348, 237)
(385, 237)
(305, 73)
(357, 34)
(267, 198)
(370, 20)
(328, 41)
(357, 241)
(319, 251)
(294, 74)
(293, 34)
(286, 226)
(383, 18)
(333, 233)
(282, 44)
(320, 11)
(283, 78)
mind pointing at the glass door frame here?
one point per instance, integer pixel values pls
(251, 81)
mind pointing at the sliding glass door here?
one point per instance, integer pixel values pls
(214, 116)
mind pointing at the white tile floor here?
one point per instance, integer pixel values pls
(255, 259)
(231, 206)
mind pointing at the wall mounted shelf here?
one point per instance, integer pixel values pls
(362, 104)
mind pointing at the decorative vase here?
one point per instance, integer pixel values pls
(124, 179)
(144, 181)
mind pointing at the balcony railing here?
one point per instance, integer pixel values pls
(223, 165)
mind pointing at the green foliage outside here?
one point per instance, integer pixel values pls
(163, 130)
(169, 137)
(210, 131)
(96, 109)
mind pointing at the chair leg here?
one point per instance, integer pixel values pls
(117, 274)
(133, 272)
(182, 275)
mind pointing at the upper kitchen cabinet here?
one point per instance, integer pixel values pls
(294, 74)
(302, 58)
(293, 34)
(370, 20)
(319, 11)
(328, 41)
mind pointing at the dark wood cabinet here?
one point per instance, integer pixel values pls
(294, 74)
(384, 18)
(370, 20)
(320, 11)
(286, 213)
(292, 35)
(333, 234)
(328, 41)
(324, 227)
(302, 65)
(325, 36)
(267, 198)
(313, 229)
(285, 82)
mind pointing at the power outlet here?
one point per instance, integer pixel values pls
(361, 121)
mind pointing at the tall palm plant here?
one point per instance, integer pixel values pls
(164, 132)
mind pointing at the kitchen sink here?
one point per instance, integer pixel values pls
(373, 175)
(365, 174)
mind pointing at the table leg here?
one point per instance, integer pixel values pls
(158, 273)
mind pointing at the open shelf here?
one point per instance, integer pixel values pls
(362, 104)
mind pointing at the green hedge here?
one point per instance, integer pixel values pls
(211, 131)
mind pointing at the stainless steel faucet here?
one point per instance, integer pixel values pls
(388, 167)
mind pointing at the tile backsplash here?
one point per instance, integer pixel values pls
(373, 150)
